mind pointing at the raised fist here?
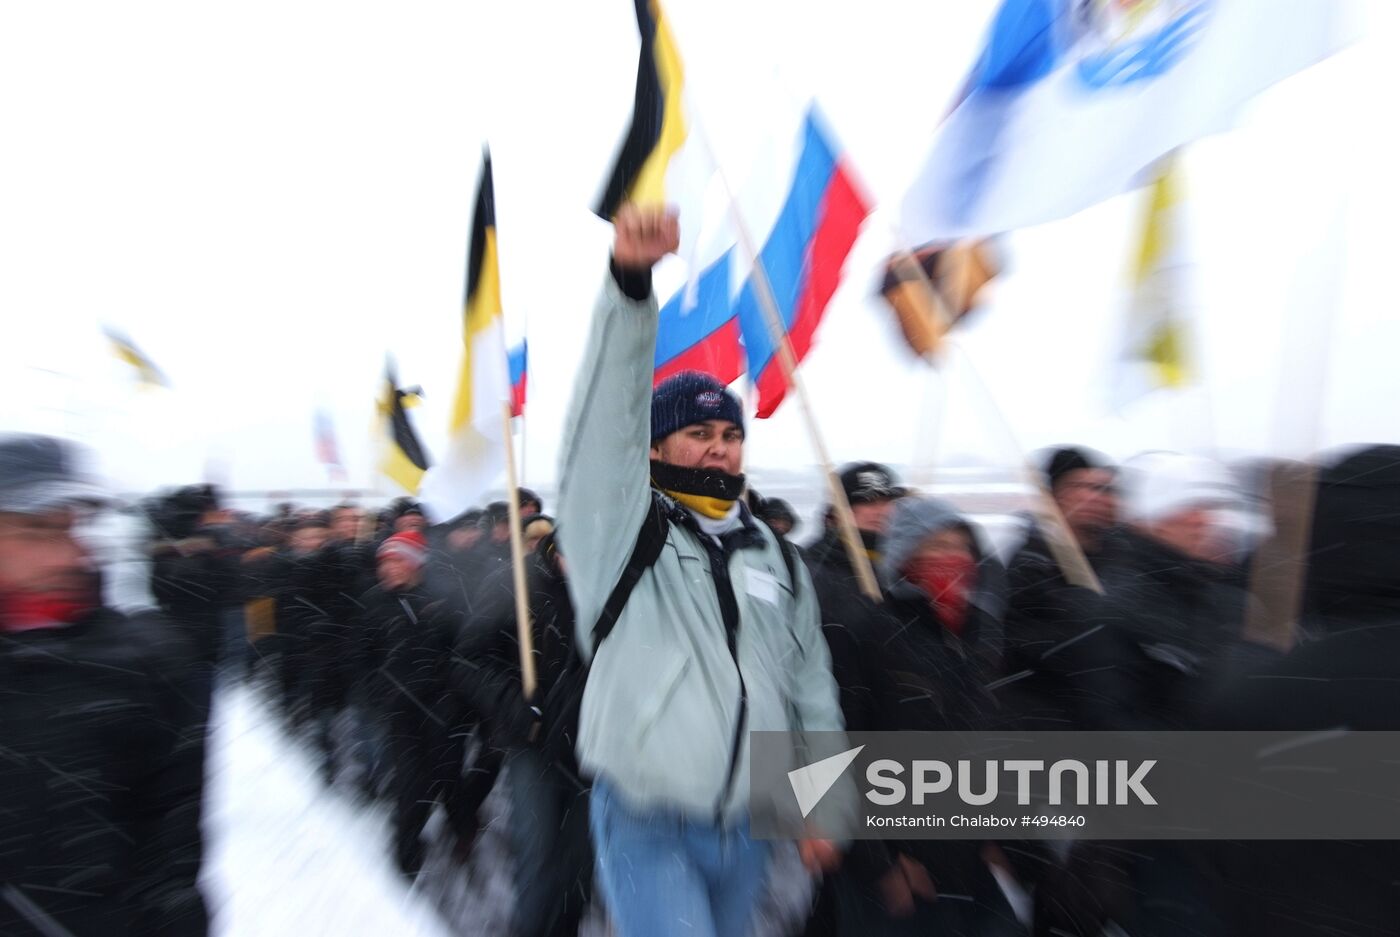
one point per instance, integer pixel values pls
(643, 235)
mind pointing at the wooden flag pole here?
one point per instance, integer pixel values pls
(1279, 567)
(845, 520)
(517, 561)
(523, 451)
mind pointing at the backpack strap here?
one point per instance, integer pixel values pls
(650, 539)
(790, 560)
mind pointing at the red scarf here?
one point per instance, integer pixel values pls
(26, 611)
(947, 581)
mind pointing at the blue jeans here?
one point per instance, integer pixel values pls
(664, 874)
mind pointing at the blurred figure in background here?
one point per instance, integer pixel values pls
(194, 574)
(530, 503)
(1175, 600)
(777, 514)
(102, 735)
(920, 662)
(412, 631)
(548, 833)
(1173, 592)
(410, 518)
(1064, 669)
(1347, 678)
(464, 533)
(337, 575)
(871, 489)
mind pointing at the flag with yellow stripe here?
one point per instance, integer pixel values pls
(403, 460)
(658, 127)
(146, 371)
(475, 461)
(1155, 350)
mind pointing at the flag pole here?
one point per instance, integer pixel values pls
(929, 441)
(517, 562)
(1065, 549)
(787, 360)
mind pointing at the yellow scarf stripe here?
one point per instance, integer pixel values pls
(713, 508)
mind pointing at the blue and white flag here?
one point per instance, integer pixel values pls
(1071, 100)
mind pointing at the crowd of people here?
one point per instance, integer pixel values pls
(671, 616)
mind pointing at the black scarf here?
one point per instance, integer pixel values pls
(707, 483)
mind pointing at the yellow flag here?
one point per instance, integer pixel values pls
(1155, 349)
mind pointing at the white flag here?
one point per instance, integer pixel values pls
(475, 461)
(1071, 100)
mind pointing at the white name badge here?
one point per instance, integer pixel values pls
(762, 586)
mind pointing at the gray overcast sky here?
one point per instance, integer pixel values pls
(268, 196)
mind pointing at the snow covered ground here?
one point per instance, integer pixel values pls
(285, 857)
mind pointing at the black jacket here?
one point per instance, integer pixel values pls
(326, 594)
(1348, 678)
(407, 639)
(1066, 666)
(486, 668)
(895, 665)
(897, 669)
(1179, 616)
(193, 581)
(848, 619)
(100, 781)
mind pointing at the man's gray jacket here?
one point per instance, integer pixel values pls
(665, 716)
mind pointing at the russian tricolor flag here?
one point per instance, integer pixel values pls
(517, 360)
(701, 333)
(717, 325)
(803, 256)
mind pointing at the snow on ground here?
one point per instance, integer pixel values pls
(284, 857)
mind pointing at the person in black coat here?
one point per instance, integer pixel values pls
(1174, 594)
(194, 576)
(295, 577)
(411, 629)
(100, 726)
(1346, 676)
(1064, 667)
(328, 587)
(922, 661)
(1174, 600)
(872, 491)
(193, 569)
(549, 816)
